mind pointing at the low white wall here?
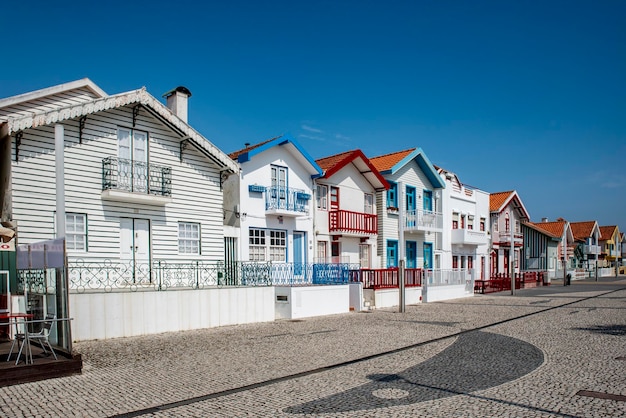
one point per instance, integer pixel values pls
(356, 296)
(387, 298)
(306, 301)
(437, 293)
(127, 314)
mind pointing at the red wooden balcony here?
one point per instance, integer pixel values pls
(352, 223)
(388, 278)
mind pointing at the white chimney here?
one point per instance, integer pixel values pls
(177, 101)
(544, 219)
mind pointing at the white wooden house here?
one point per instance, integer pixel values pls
(133, 188)
(413, 180)
(466, 239)
(268, 208)
(507, 212)
(346, 220)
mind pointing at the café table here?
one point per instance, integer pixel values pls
(16, 319)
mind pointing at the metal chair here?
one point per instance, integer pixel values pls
(18, 338)
(42, 336)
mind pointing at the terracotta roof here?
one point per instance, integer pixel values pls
(606, 232)
(234, 155)
(496, 200)
(583, 229)
(387, 161)
(329, 162)
(553, 228)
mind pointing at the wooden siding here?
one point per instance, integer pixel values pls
(47, 103)
(196, 196)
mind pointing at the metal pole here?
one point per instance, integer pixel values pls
(512, 257)
(401, 249)
(59, 149)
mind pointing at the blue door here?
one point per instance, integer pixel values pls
(392, 253)
(298, 253)
(428, 200)
(428, 255)
(411, 254)
(410, 206)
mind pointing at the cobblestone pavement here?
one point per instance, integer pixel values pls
(545, 352)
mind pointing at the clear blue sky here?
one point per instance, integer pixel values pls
(525, 95)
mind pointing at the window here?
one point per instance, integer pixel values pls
(278, 245)
(188, 238)
(470, 221)
(322, 197)
(256, 244)
(364, 255)
(507, 224)
(369, 203)
(455, 221)
(76, 231)
(470, 262)
(392, 195)
(455, 261)
(262, 242)
(321, 251)
(482, 224)
(334, 198)
(462, 221)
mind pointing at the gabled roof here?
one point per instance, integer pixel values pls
(606, 232)
(585, 229)
(556, 228)
(332, 164)
(290, 145)
(49, 91)
(391, 163)
(500, 200)
(535, 226)
(136, 97)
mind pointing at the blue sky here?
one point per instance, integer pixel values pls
(525, 95)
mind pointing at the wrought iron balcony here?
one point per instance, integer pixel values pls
(468, 236)
(286, 201)
(136, 177)
(352, 223)
(423, 220)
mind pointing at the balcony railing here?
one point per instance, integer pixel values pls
(436, 277)
(348, 222)
(136, 176)
(423, 220)
(388, 278)
(284, 199)
(592, 249)
(468, 236)
(505, 236)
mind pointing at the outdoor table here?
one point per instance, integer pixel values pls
(14, 320)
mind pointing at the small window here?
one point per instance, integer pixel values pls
(76, 231)
(369, 203)
(455, 261)
(482, 224)
(256, 244)
(392, 195)
(321, 251)
(188, 238)
(455, 221)
(322, 197)
(470, 221)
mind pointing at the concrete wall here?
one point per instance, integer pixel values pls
(438, 293)
(387, 298)
(113, 315)
(308, 301)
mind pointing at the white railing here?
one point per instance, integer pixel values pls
(423, 220)
(438, 277)
(592, 249)
(467, 236)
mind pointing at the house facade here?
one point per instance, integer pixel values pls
(507, 212)
(560, 251)
(587, 236)
(346, 219)
(466, 237)
(269, 206)
(540, 249)
(410, 214)
(610, 245)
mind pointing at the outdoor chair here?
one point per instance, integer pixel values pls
(18, 338)
(42, 336)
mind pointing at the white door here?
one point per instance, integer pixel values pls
(135, 249)
(133, 164)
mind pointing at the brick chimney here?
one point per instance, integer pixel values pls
(177, 101)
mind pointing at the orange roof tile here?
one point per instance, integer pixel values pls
(327, 163)
(606, 232)
(234, 155)
(387, 161)
(553, 228)
(496, 200)
(582, 230)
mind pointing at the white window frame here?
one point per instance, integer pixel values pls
(256, 244)
(322, 197)
(278, 245)
(75, 235)
(322, 251)
(189, 234)
(368, 203)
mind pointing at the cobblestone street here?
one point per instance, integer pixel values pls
(546, 352)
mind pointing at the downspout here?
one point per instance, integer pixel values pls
(59, 145)
(6, 213)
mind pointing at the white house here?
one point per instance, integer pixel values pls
(507, 212)
(268, 208)
(413, 180)
(346, 222)
(135, 191)
(467, 237)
